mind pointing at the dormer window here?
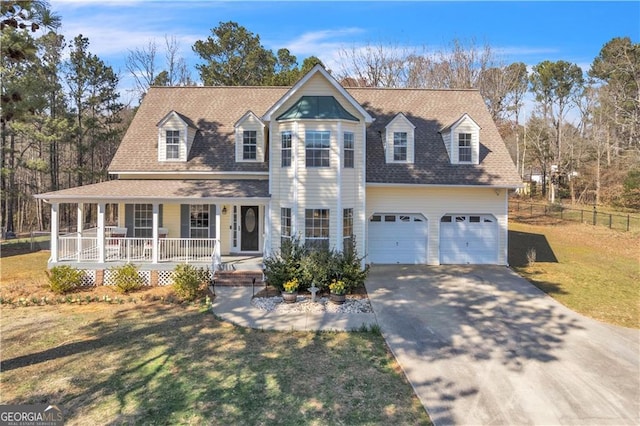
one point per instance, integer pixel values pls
(462, 140)
(176, 133)
(464, 147)
(399, 146)
(250, 136)
(399, 140)
(249, 145)
(172, 138)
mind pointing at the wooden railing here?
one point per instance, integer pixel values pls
(72, 247)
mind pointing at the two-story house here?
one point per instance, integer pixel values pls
(409, 175)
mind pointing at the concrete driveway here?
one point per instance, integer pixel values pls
(482, 346)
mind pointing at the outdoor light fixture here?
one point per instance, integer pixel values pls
(224, 209)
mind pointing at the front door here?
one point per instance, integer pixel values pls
(249, 228)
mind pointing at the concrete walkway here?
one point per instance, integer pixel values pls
(482, 346)
(233, 304)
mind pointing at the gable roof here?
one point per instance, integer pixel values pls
(400, 116)
(458, 121)
(174, 113)
(318, 69)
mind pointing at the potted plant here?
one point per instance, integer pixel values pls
(337, 292)
(290, 291)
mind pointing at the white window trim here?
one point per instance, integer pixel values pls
(289, 149)
(400, 124)
(205, 210)
(256, 125)
(469, 148)
(352, 149)
(326, 238)
(244, 144)
(327, 149)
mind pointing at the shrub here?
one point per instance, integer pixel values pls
(64, 279)
(284, 266)
(188, 281)
(126, 278)
(319, 266)
(349, 266)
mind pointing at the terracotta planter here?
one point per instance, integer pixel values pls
(289, 297)
(338, 299)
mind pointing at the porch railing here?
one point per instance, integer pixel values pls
(72, 247)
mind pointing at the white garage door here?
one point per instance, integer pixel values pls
(397, 238)
(468, 239)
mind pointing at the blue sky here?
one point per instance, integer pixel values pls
(529, 32)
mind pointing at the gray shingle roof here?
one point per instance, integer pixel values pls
(158, 189)
(430, 111)
(214, 110)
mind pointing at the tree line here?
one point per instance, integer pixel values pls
(62, 119)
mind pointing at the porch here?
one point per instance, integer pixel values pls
(84, 247)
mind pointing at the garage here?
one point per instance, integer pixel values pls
(397, 238)
(468, 239)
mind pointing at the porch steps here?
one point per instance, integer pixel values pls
(238, 278)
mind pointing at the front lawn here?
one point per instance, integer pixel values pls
(156, 363)
(592, 270)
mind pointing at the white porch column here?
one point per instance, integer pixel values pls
(267, 230)
(79, 221)
(100, 231)
(55, 230)
(156, 223)
(218, 227)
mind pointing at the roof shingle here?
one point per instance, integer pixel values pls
(214, 110)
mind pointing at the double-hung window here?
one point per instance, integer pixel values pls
(249, 145)
(143, 220)
(172, 140)
(285, 223)
(316, 228)
(317, 144)
(399, 146)
(464, 147)
(199, 221)
(286, 149)
(348, 150)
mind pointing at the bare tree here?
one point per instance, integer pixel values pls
(142, 64)
(373, 66)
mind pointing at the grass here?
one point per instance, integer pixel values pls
(167, 364)
(592, 270)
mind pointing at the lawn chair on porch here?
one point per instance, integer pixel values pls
(114, 243)
(148, 246)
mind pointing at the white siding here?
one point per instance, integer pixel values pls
(466, 126)
(173, 123)
(400, 124)
(446, 138)
(301, 188)
(250, 122)
(434, 203)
